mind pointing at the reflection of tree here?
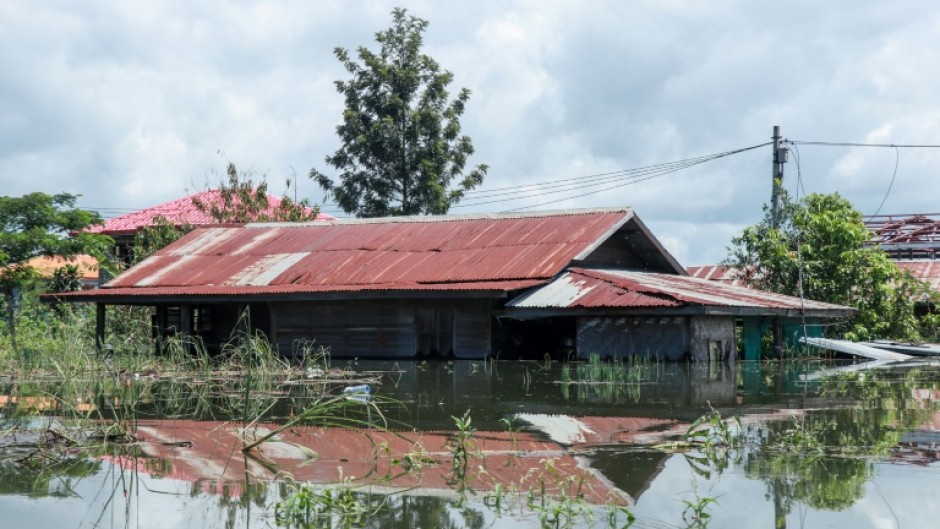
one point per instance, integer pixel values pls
(824, 459)
(425, 511)
(37, 478)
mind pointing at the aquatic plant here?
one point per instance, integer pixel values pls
(460, 444)
(306, 506)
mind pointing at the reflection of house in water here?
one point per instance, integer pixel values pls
(209, 453)
(578, 282)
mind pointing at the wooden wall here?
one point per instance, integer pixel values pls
(699, 338)
(385, 328)
(619, 337)
(713, 339)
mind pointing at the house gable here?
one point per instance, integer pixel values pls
(631, 246)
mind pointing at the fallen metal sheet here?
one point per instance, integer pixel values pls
(864, 366)
(919, 349)
(852, 348)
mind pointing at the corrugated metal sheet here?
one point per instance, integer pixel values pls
(103, 294)
(486, 252)
(927, 271)
(584, 288)
(723, 274)
(180, 211)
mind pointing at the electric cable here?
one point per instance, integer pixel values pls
(636, 180)
(897, 160)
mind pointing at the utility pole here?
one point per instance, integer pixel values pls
(776, 197)
(780, 158)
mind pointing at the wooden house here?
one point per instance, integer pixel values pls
(563, 283)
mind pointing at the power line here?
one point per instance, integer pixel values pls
(897, 160)
(580, 179)
(700, 160)
(851, 144)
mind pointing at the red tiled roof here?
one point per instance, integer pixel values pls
(180, 212)
(481, 252)
(599, 289)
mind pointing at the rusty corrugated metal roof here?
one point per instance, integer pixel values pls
(619, 289)
(180, 211)
(723, 274)
(927, 271)
(472, 252)
(497, 288)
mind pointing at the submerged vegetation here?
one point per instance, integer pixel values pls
(71, 411)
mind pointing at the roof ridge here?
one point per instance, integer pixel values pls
(418, 219)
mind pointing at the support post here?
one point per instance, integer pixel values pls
(99, 325)
(778, 338)
(752, 333)
(186, 326)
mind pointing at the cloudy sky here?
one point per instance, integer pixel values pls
(136, 103)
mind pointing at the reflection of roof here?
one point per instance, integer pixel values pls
(328, 455)
(475, 252)
(618, 289)
(180, 211)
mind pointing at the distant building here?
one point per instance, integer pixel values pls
(181, 212)
(578, 282)
(912, 242)
(46, 265)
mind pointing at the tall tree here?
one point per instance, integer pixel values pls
(41, 224)
(820, 250)
(402, 146)
(241, 200)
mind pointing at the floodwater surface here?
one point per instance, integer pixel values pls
(480, 444)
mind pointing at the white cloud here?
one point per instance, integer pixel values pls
(131, 103)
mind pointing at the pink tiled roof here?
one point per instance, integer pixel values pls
(180, 211)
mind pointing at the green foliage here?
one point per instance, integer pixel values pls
(306, 507)
(820, 249)
(402, 146)
(65, 279)
(242, 201)
(159, 234)
(41, 224)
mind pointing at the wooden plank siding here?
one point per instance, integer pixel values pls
(385, 328)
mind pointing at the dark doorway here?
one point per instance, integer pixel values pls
(534, 339)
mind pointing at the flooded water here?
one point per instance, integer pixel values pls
(484, 444)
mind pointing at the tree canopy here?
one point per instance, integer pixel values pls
(820, 250)
(401, 142)
(41, 224)
(241, 200)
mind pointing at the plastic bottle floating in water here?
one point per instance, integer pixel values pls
(360, 389)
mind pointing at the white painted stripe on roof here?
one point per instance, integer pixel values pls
(563, 292)
(205, 238)
(266, 269)
(166, 270)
